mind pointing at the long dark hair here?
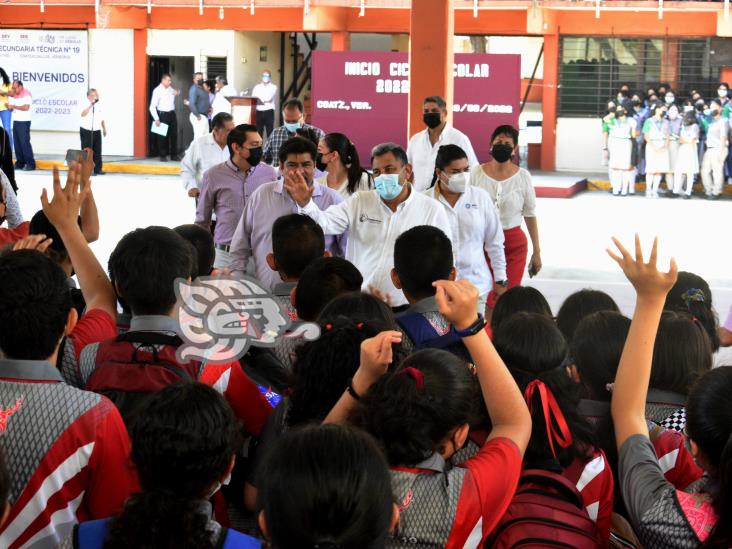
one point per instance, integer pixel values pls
(446, 155)
(691, 293)
(337, 142)
(326, 486)
(182, 445)
(4, 76)
(410, 418)
(709, 425)
(533, 348)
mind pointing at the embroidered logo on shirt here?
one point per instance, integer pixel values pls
(5, 414)
(363, 218)
(407, 501)
(468, 206)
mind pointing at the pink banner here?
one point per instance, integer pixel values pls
(364, 95)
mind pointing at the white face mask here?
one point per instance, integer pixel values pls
(458, 182)
(722, 92)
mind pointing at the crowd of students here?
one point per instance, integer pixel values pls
(427, 414)
(660, 135)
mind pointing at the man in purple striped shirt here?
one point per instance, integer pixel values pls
(253, 235)
(226, 188)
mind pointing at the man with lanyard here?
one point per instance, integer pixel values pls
(93, 128)
(162, 109)
(422, 149)
(265, 93)
(206, 152)
(375, 219)
(292, 117)
(226, 187)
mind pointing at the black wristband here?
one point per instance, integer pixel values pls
(473, 329)
(352, 391)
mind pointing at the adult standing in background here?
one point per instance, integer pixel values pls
(162, 109)
(712, 169)
(200, 105)
(265, 92)
(513, 193)
(338, 157)
(293, 120)
(206, 152)
(422, 149)
(6, 91)
(220, 103)
(619, 142)
(6, 159)
(20, 103)
(93, 128)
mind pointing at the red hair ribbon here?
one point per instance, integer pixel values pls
(556, 425)
(359, 325)
(329, 327)
(416, 375)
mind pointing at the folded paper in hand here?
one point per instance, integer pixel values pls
(162, 129)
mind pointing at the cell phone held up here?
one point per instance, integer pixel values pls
(75, 155)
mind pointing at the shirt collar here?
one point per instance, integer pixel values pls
(434, 463)
(154, 323)
(29, 370)
(426, 305)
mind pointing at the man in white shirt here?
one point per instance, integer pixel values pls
(205, 152)
(20, 104)
(92, 128)
(375, 219)
(162, 109)
(265, 92)
(223, 90)
(423, 146)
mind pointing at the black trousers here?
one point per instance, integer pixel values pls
(265, 120)
(168, 144)
(93, 139)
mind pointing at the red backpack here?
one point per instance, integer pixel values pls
(135, 364)
(546, 511)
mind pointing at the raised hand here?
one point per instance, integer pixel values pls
(63, 209)
(37, 242)
(647, 280)
(298, 188)
(378, 294)
(458, 301)
(376, 355)
(87, 166)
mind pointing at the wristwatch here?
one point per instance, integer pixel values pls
(503, 283)
(473, 329)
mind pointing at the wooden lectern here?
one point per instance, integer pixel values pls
(243, 109)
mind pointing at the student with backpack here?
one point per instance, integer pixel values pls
(662, 516)
(67, 449)
(144, 267)
(422, 255)
(184, 447)
(562, 442)
(420, 415)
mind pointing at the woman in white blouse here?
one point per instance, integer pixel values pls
(512, 192)
(338, 157)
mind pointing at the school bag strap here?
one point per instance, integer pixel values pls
(151, 340)
(552, 481)
(91, 534)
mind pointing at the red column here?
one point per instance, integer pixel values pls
(140, 93)
(432, 27)
(340, 41)
(549, 102)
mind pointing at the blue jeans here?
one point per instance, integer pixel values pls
(23, 149)
(6, 118)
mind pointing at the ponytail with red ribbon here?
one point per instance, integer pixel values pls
(557, 428)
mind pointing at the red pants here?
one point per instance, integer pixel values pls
(516, 248)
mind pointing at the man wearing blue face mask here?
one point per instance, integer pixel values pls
(265, 92)
(375, 219)
(292, 120)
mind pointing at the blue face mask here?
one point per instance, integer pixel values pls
(292, 127)
(388, 186)
(266, 78)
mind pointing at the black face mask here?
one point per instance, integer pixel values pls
(255, 156)
(636, 102)
(501, 153)
(319, 162)
(699, 107)
(431, 119)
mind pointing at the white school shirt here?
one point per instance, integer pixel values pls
(94, 113)
(514, 197)
(266, 94)
(220, 103)
(21, 101)
(373, 229)
(163, 99)
(475, 228)
(364, 184)
(202, 154)
(422, 154)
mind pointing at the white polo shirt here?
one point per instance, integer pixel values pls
(21, 101)
(475, 228)
(514, 197)
(373, 229)
(266, 93)
(202, 154)
(422, 154)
